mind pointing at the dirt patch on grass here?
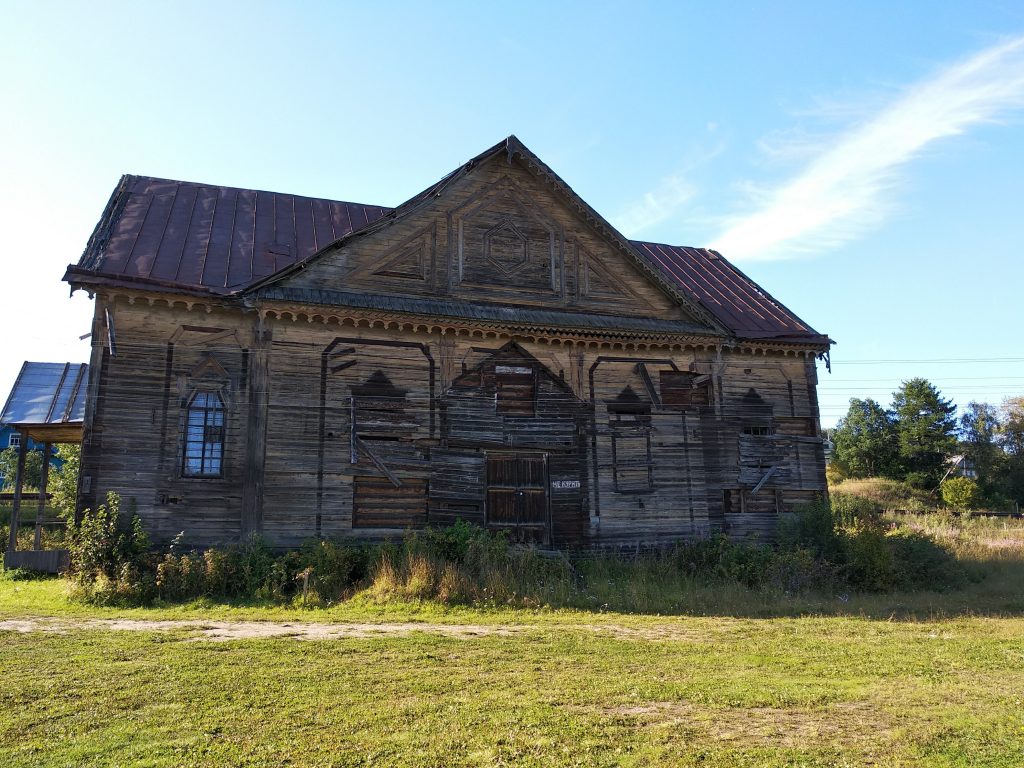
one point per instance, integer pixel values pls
(246, 630)
(848, 725)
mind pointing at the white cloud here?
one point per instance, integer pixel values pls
(841, 191)
(672, 193)
(655, 206)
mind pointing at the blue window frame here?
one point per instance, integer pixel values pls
(204, 436)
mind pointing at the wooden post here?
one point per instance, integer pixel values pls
(19, 478)
(41, 509)
(256, 444)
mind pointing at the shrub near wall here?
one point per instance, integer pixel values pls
(820, 549)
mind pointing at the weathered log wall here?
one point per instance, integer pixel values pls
(368, 431)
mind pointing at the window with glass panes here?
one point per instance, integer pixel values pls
(204, 436)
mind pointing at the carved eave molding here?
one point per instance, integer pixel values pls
(622, 340)
(187, 302)
(346, 317)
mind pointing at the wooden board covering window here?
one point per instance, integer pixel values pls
(515, 389)
(680, 390)
(632, 463)
(799, 426)
(377, 503)
(741, 500)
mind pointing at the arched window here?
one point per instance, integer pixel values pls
(204, 436)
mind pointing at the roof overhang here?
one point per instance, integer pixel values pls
(52, 432)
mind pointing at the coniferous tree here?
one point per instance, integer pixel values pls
(926, 428)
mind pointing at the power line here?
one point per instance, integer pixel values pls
(946, 360)
(945, 378)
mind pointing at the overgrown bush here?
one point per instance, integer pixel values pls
(919, 563)
(960, 493)
(811, 526)
(820, 548)
(108, 553)
(855, 511)
(868, 559)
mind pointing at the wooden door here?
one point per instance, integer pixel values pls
(517, 491)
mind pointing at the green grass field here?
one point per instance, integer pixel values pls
(736, 678)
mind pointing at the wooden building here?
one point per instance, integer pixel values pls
(491, 350)
(45, 408)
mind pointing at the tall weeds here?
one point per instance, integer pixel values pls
(820, 550)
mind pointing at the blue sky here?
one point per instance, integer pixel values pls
(862, 161)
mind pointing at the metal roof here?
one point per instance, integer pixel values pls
(191, 236)
(47, 393)
(212, 236)
(739, 303)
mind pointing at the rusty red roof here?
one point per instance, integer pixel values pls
(189, 236)
(204, 235)
(740, 304)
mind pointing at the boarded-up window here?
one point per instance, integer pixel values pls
(756, 415)
(765, 501)
(377, 503)
(796, 425)
(515, 389)
(684, 389)
(732, 501)
(629, 420)
(381, 410)
(204, 436)
(631, 463)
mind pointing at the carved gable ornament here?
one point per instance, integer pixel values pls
(499, 233)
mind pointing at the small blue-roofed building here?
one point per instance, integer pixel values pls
(46, 407)
(43, 393)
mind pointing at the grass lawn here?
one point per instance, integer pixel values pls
(560, 688)
(736, 677)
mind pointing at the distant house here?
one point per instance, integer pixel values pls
(961, 466)
(42, 393)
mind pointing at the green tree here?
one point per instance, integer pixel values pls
(979, 441)
(865, 441)
(9, 468)
(926, 428)
(1011, 428)
(63, 481)
(1011, 440)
